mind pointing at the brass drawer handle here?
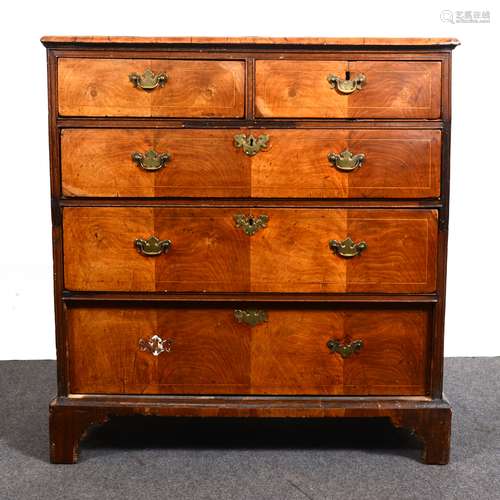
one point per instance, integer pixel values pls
(152, 246)
(347, 248)
(251, 145)
(347, 86)
(151, 160)
(346, 161)
(148, 80)
(251, 317)
(250, 224)
(156, 345)
(345, 349)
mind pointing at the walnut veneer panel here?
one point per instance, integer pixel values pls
(204, 163)
(209, 253)
(101, 87)
(299, 89)
(212, 353)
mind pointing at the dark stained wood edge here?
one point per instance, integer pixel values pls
(261, 123)
(57, 230)
(298, 298)
(270, 402)
(437, 354)
(250, 43)
(310, 203)
(250, 89)
(241, 53)
(70, 417)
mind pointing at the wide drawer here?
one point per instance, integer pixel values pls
(176, 88)
(343, 350)
(241, 249)
(375, 89)
(308, 163)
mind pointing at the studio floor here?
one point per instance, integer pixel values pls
(156, 458)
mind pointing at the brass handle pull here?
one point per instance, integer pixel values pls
(347, 248)
(345, 349)
(155, 345)
(347, 86)
(250, 224)
(152, 246)
(251, 145)
(346, 161)
(251, 317)
(151, 160)
(148, 80)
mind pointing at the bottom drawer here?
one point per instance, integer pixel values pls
(263, 349)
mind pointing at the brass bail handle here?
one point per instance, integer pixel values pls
(347, 248)
(346, 161)
(152, 246)
(151, 160)
(148, 80)
(345, 348)
(347, 85)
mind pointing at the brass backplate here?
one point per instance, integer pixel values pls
(151, 160)
(347, 248)
(250, 224)
(346, 161)
(345, 349)
(345, 85)
(148, 80)
(251, 317)
(251, 145)
(152, 246)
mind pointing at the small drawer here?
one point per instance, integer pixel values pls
(348, 89)
(259, 349)
(241, 249)
(307, 163)
(158, 87)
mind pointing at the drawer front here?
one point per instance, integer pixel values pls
(239, 249)
(293, 164)
(103, 87)
(177, 350)
(301, 89)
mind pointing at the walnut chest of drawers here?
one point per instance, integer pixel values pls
(249, 227)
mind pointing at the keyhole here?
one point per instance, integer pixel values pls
(251, 141)
(347, 75)
(250, 221)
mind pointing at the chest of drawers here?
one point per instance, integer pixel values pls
(249, 228)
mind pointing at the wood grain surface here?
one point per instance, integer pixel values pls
(212, 353)
(108, 296)
(258, 40)
(293, 89)
(210, 254)
(205, 163)
(101, 87)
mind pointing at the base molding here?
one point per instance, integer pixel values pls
(72, 416)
